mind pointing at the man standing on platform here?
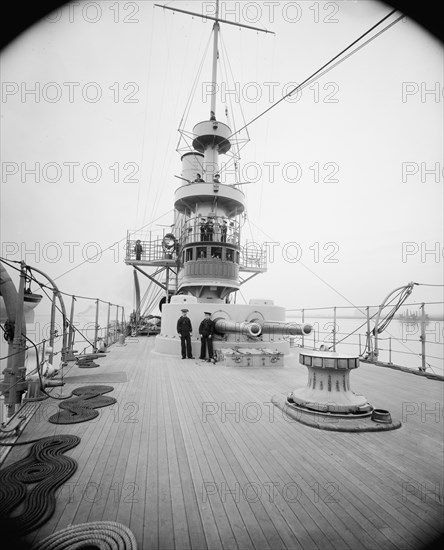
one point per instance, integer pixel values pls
(185, 331)
(206, 331)
(138, 249)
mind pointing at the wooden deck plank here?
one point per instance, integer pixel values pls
(194, 520)
(131, 413)
(107, 480)
(198, 468)
(327, 435)
(181, 528)
(86, 490)
(150, 537)
(235, 479)
(76, 489)
(203, 462)
(138, 518)
(384, 486)
(304, 473)
(215, 475)
(324, 432)
(240, 422)
(117, 492)
(263, 472)
(224, 486)
(185, 465)
(165, 509)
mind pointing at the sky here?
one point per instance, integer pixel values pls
(345, 178)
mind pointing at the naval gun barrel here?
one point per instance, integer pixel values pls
(225, 326)
(285, 329)
(254, 329)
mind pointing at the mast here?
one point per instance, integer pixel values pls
(216, 29)
(205, 255)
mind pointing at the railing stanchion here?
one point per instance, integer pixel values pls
(52, 327)
(71, 334)
(303, 319)
(96, 326)
(107, 324)
(334, 329)
(369, 337)
(423, 339)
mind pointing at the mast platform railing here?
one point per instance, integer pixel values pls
(158, 248)
(253, 258)
(212, 229)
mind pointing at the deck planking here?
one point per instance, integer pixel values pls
(246, 476)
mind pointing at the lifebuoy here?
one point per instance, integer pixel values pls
(169, 242)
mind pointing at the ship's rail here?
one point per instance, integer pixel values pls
(412, 342)
(50, 344)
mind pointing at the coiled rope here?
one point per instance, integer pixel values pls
(103, 535)
(82, 408)
(47, 468)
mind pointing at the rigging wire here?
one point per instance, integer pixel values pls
(188, 104)
(159, 121)
(89, 260)
(403, 295)
(320, 278)
(230, 74)
(43, 287)
(145, 126)
(319, 72)
(163, 175)
(267, 130)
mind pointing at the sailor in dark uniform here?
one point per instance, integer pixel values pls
(206, 331)
(203, 229)
(138, 249)
(209, 229)
(185, 331)
(223, 231)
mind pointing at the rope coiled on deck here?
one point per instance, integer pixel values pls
(82, 408)
(45, 466)
(106, 535)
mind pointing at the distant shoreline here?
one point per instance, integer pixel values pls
(363, 317)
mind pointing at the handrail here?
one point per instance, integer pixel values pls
(332, 334)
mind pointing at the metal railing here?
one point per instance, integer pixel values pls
(54, 338)
(211, 229)
(151, 246)
(413, 340)
(253, 257)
